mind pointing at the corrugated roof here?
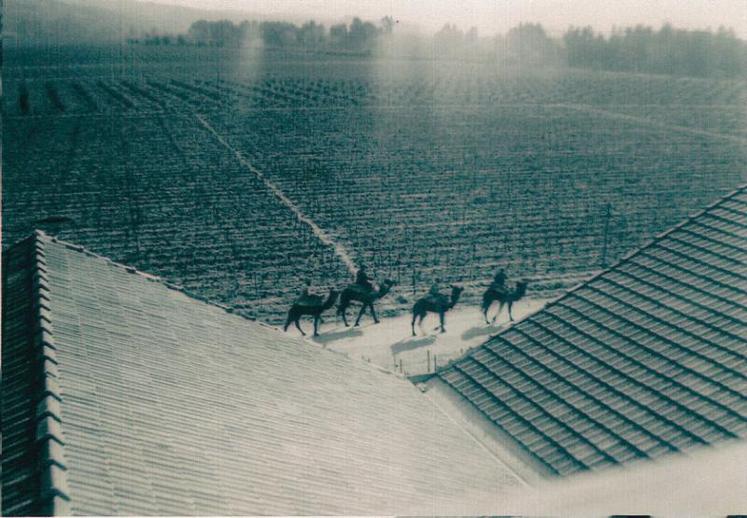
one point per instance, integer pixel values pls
(646, 358)
(146, 401)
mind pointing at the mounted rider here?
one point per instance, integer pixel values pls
(499, 282)
(435, 290)
(363, 280)
(305, 298)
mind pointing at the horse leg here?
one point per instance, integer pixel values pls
(412, 324)
(420, 323)
(298, 325)
(510, 316)
(316, 325)
(441, 320)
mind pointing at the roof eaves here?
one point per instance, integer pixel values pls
(50, 440)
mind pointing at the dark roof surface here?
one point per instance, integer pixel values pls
(122, 395)
(648, 357)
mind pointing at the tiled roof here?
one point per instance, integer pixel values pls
(122, 395)
(646, 358)
(703, 482)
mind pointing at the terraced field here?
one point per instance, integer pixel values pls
(242, 177)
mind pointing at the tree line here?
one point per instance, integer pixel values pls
(698, 53)
(358, 36)
(666, 51)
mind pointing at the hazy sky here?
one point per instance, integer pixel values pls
(498, 15)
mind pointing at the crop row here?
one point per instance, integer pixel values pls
(715, 106)
(539, 191)
(492, 173)
(160, 194)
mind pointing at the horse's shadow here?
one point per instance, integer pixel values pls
(481, 330)
(348, 332)
(412, 343)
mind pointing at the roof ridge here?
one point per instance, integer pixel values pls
(55, 495)
(42, 236)
(657, 238)
(150, 277)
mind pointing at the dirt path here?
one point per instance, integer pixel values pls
(650, 122)
(319, 232)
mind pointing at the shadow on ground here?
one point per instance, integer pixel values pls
(482, 330)
(327, 337)
(412, 343)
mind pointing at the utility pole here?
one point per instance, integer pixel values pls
(605, 243)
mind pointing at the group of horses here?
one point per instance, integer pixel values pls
(315, 305)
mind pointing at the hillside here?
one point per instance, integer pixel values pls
(60, 22)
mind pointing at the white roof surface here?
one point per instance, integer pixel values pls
(174, 406)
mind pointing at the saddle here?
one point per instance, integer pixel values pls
(308, 300)
(360, 288)
(500, 290)
(437, 299)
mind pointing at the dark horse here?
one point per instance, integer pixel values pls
(435, 304)
(312, 305)
(358, 293)
(503, 298)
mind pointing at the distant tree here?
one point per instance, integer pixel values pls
(279, 34)
(471, 36)
(224, 33)
(387, 25)
(529, 44)
(449, 41)
(666, 51)
(362, 35)
(199, 32)
(249, 33)
(312, 34)
(583, 47)
(359, 36)
(338, 35)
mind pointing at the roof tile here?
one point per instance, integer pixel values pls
(172, 405)
(647, 357)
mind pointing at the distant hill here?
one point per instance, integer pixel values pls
(59, 22)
